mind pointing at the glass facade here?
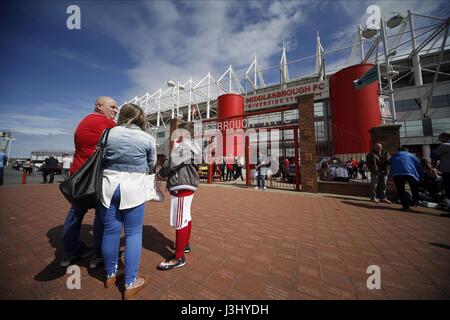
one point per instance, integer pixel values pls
(411, 129)
(441, 101)
(407, 105)
(440, 125)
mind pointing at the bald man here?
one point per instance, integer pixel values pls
(377, 162)
(87, 135)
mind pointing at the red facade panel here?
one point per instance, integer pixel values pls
(354, 111)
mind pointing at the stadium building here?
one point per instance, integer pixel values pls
(412, 89)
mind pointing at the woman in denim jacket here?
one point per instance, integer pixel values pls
(130, 154)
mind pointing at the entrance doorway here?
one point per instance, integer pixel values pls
(281, 145)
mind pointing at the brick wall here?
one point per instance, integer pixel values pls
(308, 156)
(344, 188)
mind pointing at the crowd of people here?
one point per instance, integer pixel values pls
(229, 169)
(428, 182)
(130, 155)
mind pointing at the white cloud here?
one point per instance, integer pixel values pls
(35, 125)
(173, 40)
(44, 117)
(180, 40)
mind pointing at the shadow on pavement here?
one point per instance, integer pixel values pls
(440, 245)
(343, 197)
(155, 241)
(375, 207)
(152, 240)
(53, 270)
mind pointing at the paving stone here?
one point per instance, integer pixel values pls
(245, 245)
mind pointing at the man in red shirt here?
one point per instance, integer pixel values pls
(87, 135)
(285, 170)
(354, 164)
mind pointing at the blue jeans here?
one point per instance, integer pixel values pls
(132, 220)
(72, 226)
(261, 180)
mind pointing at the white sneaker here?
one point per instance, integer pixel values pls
(256, 188)
(264, 189)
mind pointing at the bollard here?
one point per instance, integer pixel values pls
(24, 177)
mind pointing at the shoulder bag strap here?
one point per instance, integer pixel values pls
(104, 138)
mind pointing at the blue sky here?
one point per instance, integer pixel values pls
(50, 76)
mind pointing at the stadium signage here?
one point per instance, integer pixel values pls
(284, 96)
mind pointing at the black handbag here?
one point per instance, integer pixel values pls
(84, 188)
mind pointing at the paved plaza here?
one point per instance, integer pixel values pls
(246, 244)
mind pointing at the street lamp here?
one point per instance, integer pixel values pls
(369, 33)
(177, 87)
(9, 150)
(395, 20)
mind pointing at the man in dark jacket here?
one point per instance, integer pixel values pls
(182, 181)
(377, 162)
(50, 166)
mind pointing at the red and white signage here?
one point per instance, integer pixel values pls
(284, 96)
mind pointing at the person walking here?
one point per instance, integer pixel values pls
(406, 168)
(223, 168)
(129, 155)
(66, 163)
(182, 181)
(377, 161)
(238, 164)
(50, 166)
(86, 137)
(230, 168)
(262, 167)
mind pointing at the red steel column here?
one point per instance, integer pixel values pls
(354, 111)
(230, 115)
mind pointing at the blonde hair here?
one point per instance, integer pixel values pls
(132, 114)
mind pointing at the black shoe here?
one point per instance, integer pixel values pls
(406, 209)
(83, 252)
(172, 263)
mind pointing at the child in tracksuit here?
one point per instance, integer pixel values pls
(182, 180)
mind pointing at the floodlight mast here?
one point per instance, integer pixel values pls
(177, 87)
